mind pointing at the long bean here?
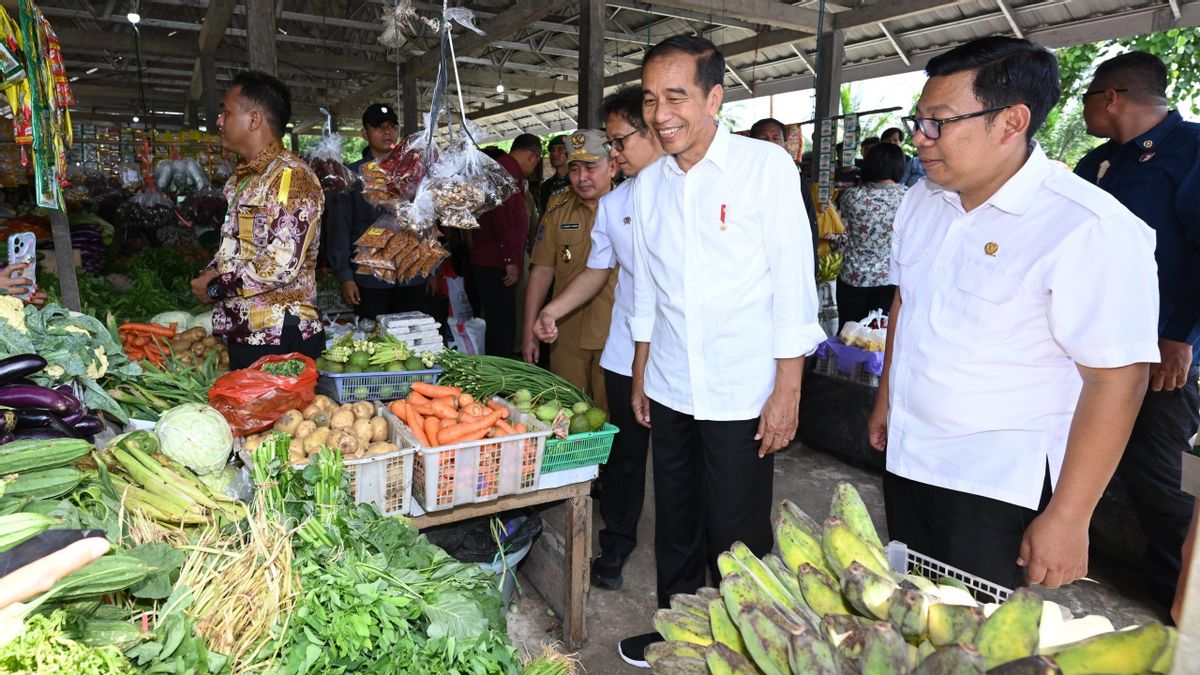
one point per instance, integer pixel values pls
(488, 376)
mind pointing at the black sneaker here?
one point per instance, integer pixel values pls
(633, 649)
(606, 571)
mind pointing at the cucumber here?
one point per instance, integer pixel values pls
(44, 484)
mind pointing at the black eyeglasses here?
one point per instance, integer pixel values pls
(1086, 94)
(618, 143)
(931, 127)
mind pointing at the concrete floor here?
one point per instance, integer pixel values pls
(808, 478)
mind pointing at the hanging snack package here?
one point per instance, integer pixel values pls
(467, 183)
(397, 175)
(401, 245)
(326, 162)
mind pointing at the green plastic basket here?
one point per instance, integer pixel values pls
(578, 450)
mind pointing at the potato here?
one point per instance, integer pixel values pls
(316, 439)
(210, 342)
(379, 429)
(345, 441)
(342, 419)
(364, 410)
(348, 407)
(252, 442)
(321, 419)
(310, 412)
(323, 402)
(198, 348)
(381, 449)
(196, 333)
(296, 456)
(288, 423)
(304, 429)
(362, 431)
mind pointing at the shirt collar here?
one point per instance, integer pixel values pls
(717, 153)
(259, 164)
(1014, 196)
(1148, 141)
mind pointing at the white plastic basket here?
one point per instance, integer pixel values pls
(904, 560)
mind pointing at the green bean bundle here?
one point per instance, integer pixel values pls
(488, 376)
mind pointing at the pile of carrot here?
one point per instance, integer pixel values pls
(440, 415)
(146, 341)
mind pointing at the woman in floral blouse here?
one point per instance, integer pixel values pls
(867, 212)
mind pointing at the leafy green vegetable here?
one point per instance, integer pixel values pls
(45, 648)
(162, 562)
(289, 368)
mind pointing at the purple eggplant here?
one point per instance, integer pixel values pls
(20, 366)
(6, 438)
(32, 418)
(26, 396)
(72, 418)
(90, 425)
(44, 434)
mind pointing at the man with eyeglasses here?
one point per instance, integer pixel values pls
(560, 254)
(1151, 164)
(1020, 334)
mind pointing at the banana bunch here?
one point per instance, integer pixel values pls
(828, 266)
(826, 602)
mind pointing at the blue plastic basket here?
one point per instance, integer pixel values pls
(382, 386)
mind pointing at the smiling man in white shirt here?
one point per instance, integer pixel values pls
(1024, 320)
(725, 310)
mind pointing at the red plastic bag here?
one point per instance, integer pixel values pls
(251, 400)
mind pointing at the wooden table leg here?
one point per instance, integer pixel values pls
(578, 554)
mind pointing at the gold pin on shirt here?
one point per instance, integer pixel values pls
(990, 248)
(566, 254)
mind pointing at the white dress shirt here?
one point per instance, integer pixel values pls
(612, 246)
(999, 305)
(723, 279)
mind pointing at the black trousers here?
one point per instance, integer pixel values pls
(625, 472)
(375, 301)
(1151, 469)
(976, 534)
(855, 302)
(498, 307)
(710, 490)
(241, 355)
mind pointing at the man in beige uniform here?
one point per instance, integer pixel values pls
(560, 253)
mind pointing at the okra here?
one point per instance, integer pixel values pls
(32, 455)
(45, 484)
(19, 527)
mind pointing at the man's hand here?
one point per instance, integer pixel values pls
(877, 425)
(1170, 373)
(432, 287)
(1054, 550)
(350, 293)
(777, 424)
(640, 403)
(511, 274)
(529, 348)
(200, 286)
(546, 327)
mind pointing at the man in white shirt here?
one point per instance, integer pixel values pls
(725, 310)
(1025, 317)
(633, 146)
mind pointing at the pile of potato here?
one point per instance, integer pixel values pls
(192, 346)
(354, 428)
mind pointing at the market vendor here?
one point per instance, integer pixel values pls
(560, 253)
(1020, 335)
(262, 282)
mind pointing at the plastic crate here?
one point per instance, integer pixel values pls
(904, 560)
(828, 366)
(578, 450)
(380, 386)
(479, 471)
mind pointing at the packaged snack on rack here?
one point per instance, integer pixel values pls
(398, 174)
(466, 183)
(326, 162)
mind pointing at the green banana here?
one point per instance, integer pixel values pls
(918, 582)
(842, 547)
(680, 665)
(952, 660)
(724, 661)
(797, 547)
(910, 612)
(848, 505)
(1011, 632)
(767, 642)
(708, 593)
(798, 518)
(690, 603)
(1030, 665)
(953, 624)
(867, 591)
(741, 591)
(659, 650)
(1167, 659)
(761, 575)
(811, 655)
(724, 630)
(884, 652)
(821, 592)
(1117, 653)
(675, 624)
(925, 649)
(790, 581)
(846, 633)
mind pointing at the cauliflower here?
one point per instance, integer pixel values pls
(54, 371)
(77, 329)
(12, 310)
(95, 371)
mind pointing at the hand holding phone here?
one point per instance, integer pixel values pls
(20, 277)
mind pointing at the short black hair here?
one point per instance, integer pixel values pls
(892, 130)
(710, 63)
(495, 152)
(527, 142)
(626, 102)
(557, 140)
(1142, 73)
(766, 122)
(868, 142)
(886, 161)
(268, 93)
(1008, 71)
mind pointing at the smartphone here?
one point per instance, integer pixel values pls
(22, 248)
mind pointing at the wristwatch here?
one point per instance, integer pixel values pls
(213, 290)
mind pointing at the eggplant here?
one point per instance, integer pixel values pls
(32, 418)
(26, 396)
(22, 365)
(72, 418)
(40, 434)
(90, 425)
(6, 438)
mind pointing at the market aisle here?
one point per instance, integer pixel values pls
(807, 478)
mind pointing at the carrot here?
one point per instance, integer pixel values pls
(397, 408)
(504, 413)
(416, 397)
(444, 424)
(467, 418)
(465, 400)
(434, 391)
(149, 329)
(431, 430)
(415, 423)
(505, 427)
(470, 432)
(442, 410)
(424, 409)
(520, 428)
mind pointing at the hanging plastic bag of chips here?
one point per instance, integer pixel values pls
(325, 159)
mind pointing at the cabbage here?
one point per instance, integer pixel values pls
(182, 320)
(196, 436)
(204, 321)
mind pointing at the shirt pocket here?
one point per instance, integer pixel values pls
(982, 305)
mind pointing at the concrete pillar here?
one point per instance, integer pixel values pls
(208, 77)
(591, 62)
(260, 35)
(831, 51)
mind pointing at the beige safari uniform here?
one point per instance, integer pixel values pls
(563, 242)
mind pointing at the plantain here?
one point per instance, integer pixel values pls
(1011, 632)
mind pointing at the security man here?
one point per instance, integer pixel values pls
(560, 253)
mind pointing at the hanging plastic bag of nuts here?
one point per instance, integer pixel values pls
(325, 159)
(466, 183)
